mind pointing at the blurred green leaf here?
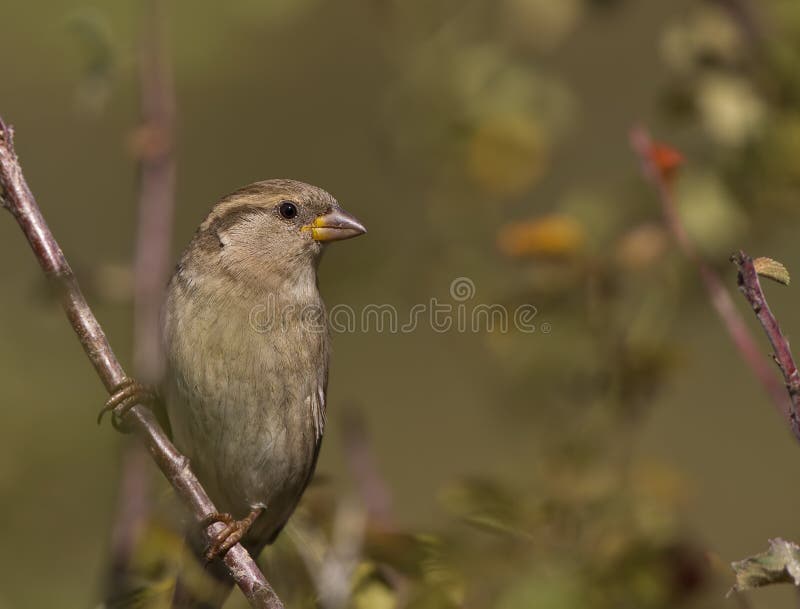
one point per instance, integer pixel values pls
(711, 215)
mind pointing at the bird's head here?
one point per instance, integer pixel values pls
(275, 228)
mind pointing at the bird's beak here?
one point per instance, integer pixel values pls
(336, 225)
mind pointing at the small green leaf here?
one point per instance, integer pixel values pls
(779, 564)
(772, 269)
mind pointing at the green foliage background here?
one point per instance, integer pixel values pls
(621, 460)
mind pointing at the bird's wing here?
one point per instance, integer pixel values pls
(317, 401)
(318, 411)
(317, 404)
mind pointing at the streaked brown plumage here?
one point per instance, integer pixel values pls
(247, 350)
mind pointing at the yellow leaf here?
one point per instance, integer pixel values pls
(772, 269)
(554, 236)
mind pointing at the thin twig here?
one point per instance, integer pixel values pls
(155, 144)
(372, 488)
(719, 296)
(19, 200)
(750, 287)
(374, 492)
(134, 502)
(156, 194)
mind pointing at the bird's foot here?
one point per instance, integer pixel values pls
(124, 397)
(232, 533)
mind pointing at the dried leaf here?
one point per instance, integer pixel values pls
(779, 564)
(772, 269)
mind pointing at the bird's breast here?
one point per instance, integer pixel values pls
(245, 394)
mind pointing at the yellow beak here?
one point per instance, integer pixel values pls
(336, 225)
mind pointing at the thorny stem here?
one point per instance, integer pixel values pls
(18, 199)
(720, 298)
(750, 287)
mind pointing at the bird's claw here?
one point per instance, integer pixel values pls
(229, 536)
(124, 397)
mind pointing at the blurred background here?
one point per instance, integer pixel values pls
(620, 456)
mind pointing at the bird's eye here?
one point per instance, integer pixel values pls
(288, 210)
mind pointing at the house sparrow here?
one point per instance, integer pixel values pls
(246, 346)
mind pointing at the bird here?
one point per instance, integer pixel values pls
(246, 347)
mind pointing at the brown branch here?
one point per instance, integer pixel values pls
(19, 200)
(154, 145)
(750, 287)
(156, 195)
(134, 502)
(720, 298)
